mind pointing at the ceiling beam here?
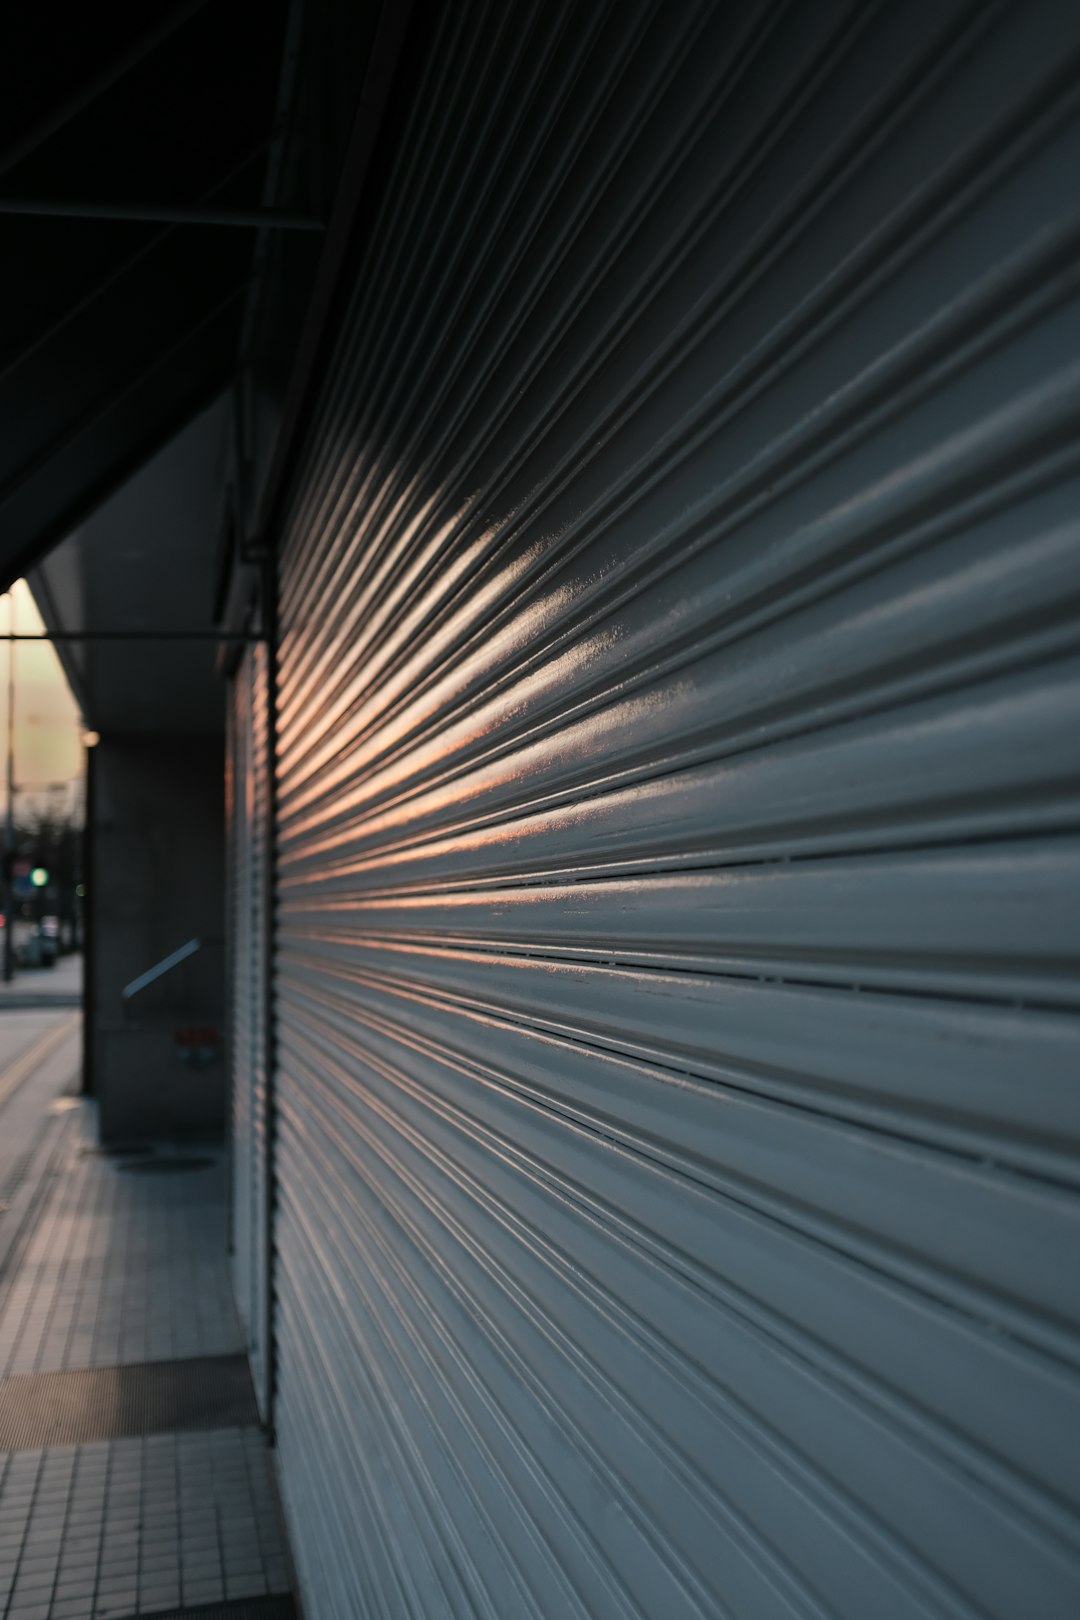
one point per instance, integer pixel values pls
(232, 218)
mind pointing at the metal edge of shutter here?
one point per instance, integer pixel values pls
(249, 876)
(240, 986)
(260, 879)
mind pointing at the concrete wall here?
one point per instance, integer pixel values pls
(156, 880)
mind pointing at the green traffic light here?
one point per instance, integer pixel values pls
(39, 877)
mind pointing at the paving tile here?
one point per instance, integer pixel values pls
(152, 1598)
(35, 1580)
(82, 1544)
(152, 1562)
(66, 1589)
(195, 1549)
(245, 1586)
(118, 1572)
(200, 1569)
(125, 1546)
(40, 1564)
(203, 1591)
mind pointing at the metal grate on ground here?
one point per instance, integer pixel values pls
(273, 1608)
(105, 1403)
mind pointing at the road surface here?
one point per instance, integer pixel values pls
(44, 987)
(40, 1063)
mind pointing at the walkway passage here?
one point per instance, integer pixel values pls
(134, 1479)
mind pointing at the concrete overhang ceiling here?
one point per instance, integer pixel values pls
(180, 202)
(133, 143)
(143, 563)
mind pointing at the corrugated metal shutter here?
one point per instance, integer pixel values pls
(676, 1005)
(250, 853)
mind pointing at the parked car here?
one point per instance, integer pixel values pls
(36, 944)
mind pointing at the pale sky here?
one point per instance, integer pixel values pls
(48, 727)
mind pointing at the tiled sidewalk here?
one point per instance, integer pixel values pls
(129, 1527)
(125, 1266)
(113, 1265)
